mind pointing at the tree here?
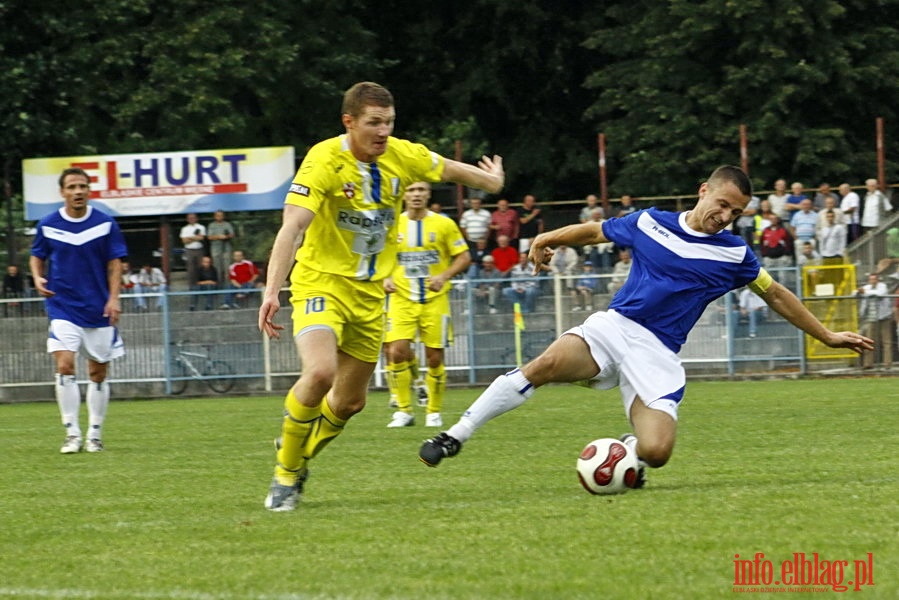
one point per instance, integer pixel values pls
(685, 74)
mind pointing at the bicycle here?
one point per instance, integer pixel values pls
(187, 365)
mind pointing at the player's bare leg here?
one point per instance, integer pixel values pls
(566, 360)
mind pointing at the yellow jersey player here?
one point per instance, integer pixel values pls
(431, 251)
(341, 210)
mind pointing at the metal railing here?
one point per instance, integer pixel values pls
(484, 343)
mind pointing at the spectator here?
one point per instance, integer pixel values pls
(804, 224)
(744, 226)
(822, 195)
(599, 255)
(207, 281)
(794, 200)
(564, 263)
(808, 256)
(475, 224)
(488, 288)
(193, 234)
(752, 308)
(778, 198)
(504, 221)
(830, 204)
(832, 238)
(530, 222)
(627, 206)
(242, 275)
(150, 280)
(584, 288)
(437, 209)
(586, 213)
(762, 221)
(478, 255)
(777, 247)
(876, 315)
(13, 287)
(524, 288)
(850, 204)
(129, 279)
(504, 255)
(875, 206)
(620, 271)
(220, 233)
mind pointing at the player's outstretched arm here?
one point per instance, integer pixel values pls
(786, 304)
(579, 234)
(488, 175)
(295, 220)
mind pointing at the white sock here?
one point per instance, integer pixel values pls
(507, 392)
(97, 403)
(68, 397)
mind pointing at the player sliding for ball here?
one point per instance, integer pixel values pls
(681, 263)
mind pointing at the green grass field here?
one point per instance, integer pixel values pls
(173, 507)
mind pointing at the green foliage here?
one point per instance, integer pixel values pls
(804, 83)
(173, 507)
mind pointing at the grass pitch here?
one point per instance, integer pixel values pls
(173, 507)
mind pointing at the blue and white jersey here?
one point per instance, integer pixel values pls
(676, 271)
(78, 251)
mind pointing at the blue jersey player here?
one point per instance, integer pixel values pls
(76, 265)
(681, 263)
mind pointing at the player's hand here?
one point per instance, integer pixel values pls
(40, 284)
(540, 256)
(112, 311)
(437, 282)
(494, 166)
(267, 325)
(389, 285)
(851, 340)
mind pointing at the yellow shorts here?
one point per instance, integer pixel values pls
(353, 310)
(431, 321)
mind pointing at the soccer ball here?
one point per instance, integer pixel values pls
(607, 466)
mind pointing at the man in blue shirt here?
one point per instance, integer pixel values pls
(84, 248)
(681, 263)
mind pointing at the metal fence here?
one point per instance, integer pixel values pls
(485, 341)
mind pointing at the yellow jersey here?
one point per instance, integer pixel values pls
(426, 248)
(356, 205)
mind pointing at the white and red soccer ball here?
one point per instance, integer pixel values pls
(607, 466)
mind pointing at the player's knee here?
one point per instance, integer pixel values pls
(655, 453)
(316, 379)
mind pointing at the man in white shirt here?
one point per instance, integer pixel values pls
(192, 236)
(851, 207)
(149, 280)
(778, 199)
(475, 224)
(876, 316)
(875, 207)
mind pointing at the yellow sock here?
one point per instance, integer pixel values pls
(400, 375)
(295, 429)
(436, 380)
(326, 428)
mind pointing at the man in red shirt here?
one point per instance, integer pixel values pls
(505, 221)
(504, 256)
(242, 275)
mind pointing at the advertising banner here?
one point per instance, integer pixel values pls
(167, 183)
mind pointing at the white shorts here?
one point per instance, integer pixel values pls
(633, 358)
(101, 344)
